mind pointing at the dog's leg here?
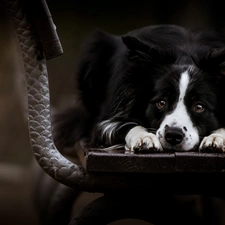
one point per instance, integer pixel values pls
(138, 139)
(215, 142)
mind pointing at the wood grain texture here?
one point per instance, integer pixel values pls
(155, 163)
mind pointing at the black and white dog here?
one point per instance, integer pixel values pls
(158, 88)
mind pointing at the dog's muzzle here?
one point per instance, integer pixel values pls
(173, 135)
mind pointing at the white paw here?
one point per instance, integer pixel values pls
(138, 139)
(213, 143)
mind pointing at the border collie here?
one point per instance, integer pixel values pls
(158, 88)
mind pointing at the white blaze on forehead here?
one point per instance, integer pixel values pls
(184, 81)
(179, 118)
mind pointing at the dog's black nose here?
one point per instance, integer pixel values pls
(174, 135)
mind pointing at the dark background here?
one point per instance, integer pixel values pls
(74, 21)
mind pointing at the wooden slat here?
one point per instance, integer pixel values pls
(155, 162)
(130, 163)
(175, 173)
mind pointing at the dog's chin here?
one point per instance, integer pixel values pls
(178, 148)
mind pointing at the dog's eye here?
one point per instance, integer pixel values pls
(198, 108)
(161, 104)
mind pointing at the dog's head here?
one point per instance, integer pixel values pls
(186, 109)
(186, 91)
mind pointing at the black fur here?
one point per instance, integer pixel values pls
(121, 77)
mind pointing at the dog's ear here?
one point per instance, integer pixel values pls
(217, 59)
(140, 50)
(212, 61)
(136, 46)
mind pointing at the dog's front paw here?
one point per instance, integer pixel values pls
(139, 140)
(213, 143)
